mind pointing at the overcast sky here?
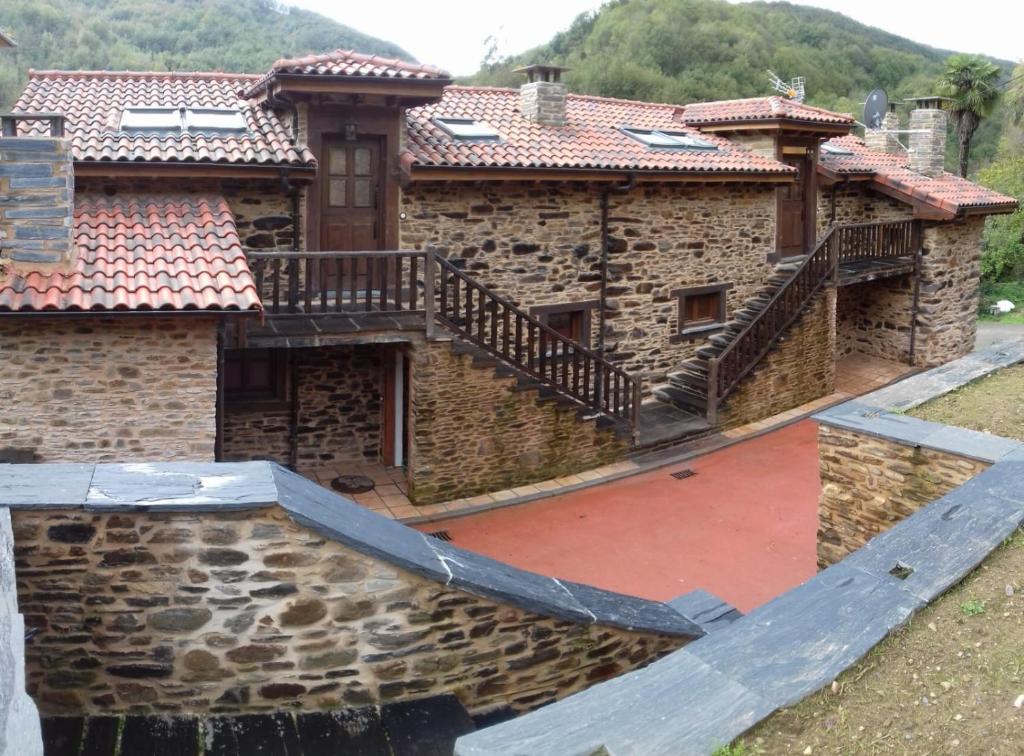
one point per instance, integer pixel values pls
(452, 33)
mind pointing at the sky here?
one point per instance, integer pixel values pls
(453, 34)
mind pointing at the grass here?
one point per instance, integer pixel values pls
(993, 404)
(946, 683)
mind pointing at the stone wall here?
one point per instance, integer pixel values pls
(108, 389)
(247, 611)
(36, 185)
(856, 203)
(472, 432)
(801, 368)
(873, 318)
(339, 413)
(947, 317)
(869, 484)
(540, 244)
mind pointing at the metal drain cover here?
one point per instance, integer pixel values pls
(352, 484)
(681, 474)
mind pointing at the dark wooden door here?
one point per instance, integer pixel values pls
(350, 215)
(792, 209)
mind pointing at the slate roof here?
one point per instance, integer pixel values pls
(92, 103)
(160, 252)
(948, 192)
(759, 109)
(591, 138)
(353, 64)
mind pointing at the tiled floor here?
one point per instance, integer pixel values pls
(855, 374)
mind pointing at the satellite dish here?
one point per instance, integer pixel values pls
(875, 108)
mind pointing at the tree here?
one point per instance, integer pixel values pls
(971, 82)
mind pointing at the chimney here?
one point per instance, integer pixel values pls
(542, 97)
(37, 178)
(928, 136)
(885, 139)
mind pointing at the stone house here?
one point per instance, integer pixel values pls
(350, 259)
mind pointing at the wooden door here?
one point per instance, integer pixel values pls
(792, 208)
(350, 215)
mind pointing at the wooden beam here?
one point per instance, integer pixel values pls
(448, 173)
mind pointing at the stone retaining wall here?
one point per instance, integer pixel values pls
(472, 432)
(801, 368)
(870, 483)
(873, 318)
(108, 389)
(540, 244)
(248, 611)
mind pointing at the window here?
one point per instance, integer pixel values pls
(701, 310)
(834, 149)
(570, 320)
(671, 140)
(254, 375)
(468, 129)
(150, 120)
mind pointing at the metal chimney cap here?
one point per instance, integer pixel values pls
(539, 72)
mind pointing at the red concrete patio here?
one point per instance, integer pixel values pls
(743, 527)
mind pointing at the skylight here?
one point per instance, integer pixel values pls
(150, 120)
(671, 140)
(467, 128)
(834, 149)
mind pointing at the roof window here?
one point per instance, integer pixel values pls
(835, 149)
(150, 120)
(468, 129)
(670, 140)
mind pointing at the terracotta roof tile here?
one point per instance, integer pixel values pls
(947, 192)
(92, 103)
(759, 109)
(158, 252)
(591, 138)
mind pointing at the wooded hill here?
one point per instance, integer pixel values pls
(689, 50)
(163, 35)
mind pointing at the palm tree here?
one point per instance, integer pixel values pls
(971, 83)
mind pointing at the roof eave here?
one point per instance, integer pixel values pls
(420, 172)
(420, 90)
(191, 168)
(776, 124)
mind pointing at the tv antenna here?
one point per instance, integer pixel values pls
(794, 89)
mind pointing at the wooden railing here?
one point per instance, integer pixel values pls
(846, 243)
(320, 283)
(514, 336)
(873, 241)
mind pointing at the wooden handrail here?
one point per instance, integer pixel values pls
(840, 244)
(512, 335)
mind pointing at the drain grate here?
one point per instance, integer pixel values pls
(441, 535)
(682, 474)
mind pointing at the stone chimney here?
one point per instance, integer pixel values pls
(542, 97)
(928, 136)
(37, 187)
(880, 140)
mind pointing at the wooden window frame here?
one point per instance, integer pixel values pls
(585, 308)
(703, 329)
(278, 397)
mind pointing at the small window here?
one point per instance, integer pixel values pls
(672, 140)
(569, 320)
(467, 128)
(701, 309)
(834, 149)
(214, 119)
(137, 120)
(254, 375)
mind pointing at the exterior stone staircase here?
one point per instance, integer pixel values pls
(687, 387)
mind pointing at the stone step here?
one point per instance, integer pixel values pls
(708, 351)
(680, 397)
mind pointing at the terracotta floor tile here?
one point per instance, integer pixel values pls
(503, 495)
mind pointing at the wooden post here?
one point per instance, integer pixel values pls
(429, 271)
(637, 393)
(712, 409)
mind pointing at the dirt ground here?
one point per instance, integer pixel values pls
(950, 682)
(994, 404)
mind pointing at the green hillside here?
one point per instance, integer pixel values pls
(689, 50)
(189, 35)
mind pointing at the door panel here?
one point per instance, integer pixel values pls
(791, 209)
(351, 204)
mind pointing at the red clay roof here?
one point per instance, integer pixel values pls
(591, 138)
(92, 103)
(759, 109)
(353, 64)
(161, 252)
(948, 192)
